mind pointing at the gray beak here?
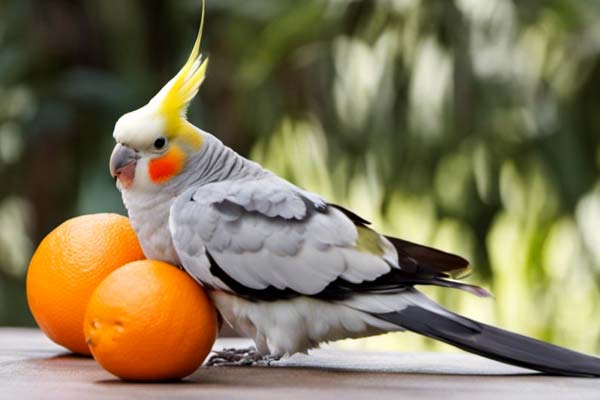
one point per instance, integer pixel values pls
(122, 164)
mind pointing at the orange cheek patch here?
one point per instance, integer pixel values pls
(164, 168)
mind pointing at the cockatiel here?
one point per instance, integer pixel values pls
(282, 265)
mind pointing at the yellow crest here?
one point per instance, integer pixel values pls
(174, 98)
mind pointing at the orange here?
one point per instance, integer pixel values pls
(68, 265)
(150, 321)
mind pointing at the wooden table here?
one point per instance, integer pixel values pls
(33, 367)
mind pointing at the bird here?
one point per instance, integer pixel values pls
(282, 265)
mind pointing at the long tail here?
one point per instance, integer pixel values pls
(434, 321)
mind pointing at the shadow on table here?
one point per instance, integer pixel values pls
(259, 376)
(408, 371)
(250, 375)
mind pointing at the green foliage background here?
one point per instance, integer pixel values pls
(469, 125)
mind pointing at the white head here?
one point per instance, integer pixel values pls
(155, 141)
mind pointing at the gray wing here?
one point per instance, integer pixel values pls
(266, 234)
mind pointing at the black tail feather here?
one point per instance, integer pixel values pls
(494, 343)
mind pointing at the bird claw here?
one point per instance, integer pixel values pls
(239, 357)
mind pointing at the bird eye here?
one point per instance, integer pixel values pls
(160, 142)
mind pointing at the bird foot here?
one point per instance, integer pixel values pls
(239, 357)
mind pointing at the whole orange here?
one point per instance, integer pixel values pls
(150, 321)
(68, 265)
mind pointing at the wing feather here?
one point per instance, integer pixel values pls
(268, 233)
(268, 239)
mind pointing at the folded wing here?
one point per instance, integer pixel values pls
(266, 239)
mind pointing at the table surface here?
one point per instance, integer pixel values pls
(31, 366)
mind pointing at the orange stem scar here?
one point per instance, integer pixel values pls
(163, 168)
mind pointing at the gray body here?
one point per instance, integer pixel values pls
(178, 224)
